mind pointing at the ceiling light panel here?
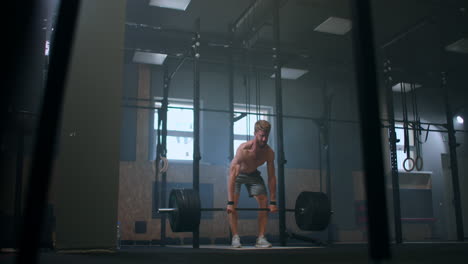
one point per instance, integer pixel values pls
(290, 73)
(149, 58)
(406, 86)
(335, 25)
(172, 4)
(460, 45)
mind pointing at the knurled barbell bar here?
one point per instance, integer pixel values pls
(312, 210)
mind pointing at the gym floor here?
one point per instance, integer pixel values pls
(337, 253)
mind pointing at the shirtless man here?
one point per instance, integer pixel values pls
(249, 156)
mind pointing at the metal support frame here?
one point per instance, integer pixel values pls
(279, 124)
(162, 149)
(252, 20)
(267, 51)
(320, 143)
(452, 141)
(50, 116)
(429, 130)
(453, 161)
(366, 76)
(393, 153)
(248, 12)
(196, 121)
(324, 146)
(403, 34)
(163, 116)
(326, 135)
(157, 28)
(318, 120)
(245, 113)
(181, 62)
(248, 25)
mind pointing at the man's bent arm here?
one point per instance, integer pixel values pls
(271, 178)
(233, 173)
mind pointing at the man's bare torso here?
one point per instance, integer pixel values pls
(250, 158)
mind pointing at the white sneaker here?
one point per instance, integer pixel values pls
(236, 242)
(262, 242)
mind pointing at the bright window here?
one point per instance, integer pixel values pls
(179, 129)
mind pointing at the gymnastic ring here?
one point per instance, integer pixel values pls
(165, 165)
(419, 163)
(412, 164)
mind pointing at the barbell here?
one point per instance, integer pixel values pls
(312, 210)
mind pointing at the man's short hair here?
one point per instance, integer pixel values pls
(263, 125)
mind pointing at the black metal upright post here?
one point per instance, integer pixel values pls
(453, 161)
(366, 76)
(231, 99)
(279, 123)
(50, 116)
(393, 152)
(331, 227)
(452, 141)
(326, 136)
(231, 94)
(196, 120)
(163, 112)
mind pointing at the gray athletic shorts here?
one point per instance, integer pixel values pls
(253, 182)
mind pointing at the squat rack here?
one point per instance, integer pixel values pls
(279, 115)
(449, 126)
(196, 114)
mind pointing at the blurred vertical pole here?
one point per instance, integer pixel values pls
(393, 153)
(196, 121)
(50, 116)
(366, 76)
(22, 15)
(452, 140)
(21, 84)
(279, 123)
(19, 180)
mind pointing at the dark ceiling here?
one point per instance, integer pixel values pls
(410, 33)
(298, 18)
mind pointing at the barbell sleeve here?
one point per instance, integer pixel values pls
(167, 210)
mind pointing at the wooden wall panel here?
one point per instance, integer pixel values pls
(135, 201)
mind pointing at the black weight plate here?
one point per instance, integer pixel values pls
(187, 216)
(312, 211)
(174, 216)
